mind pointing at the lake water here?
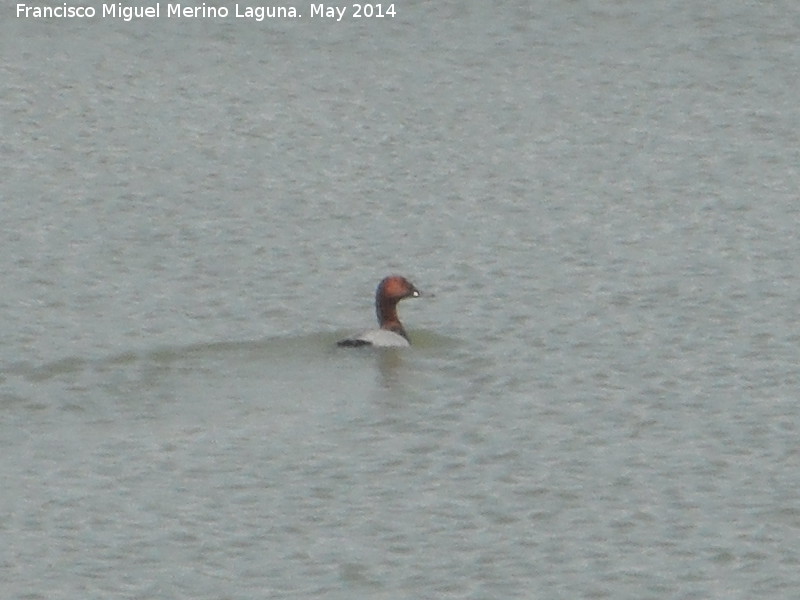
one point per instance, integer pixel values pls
(601, 398)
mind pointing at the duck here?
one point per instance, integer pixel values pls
(391, 333)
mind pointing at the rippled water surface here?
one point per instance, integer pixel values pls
(601, 396)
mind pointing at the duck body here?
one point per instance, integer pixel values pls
(379, 338)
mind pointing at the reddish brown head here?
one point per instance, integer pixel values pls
(390, 291)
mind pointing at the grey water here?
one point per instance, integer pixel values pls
(601, 396)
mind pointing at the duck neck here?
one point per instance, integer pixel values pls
(387, 316)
